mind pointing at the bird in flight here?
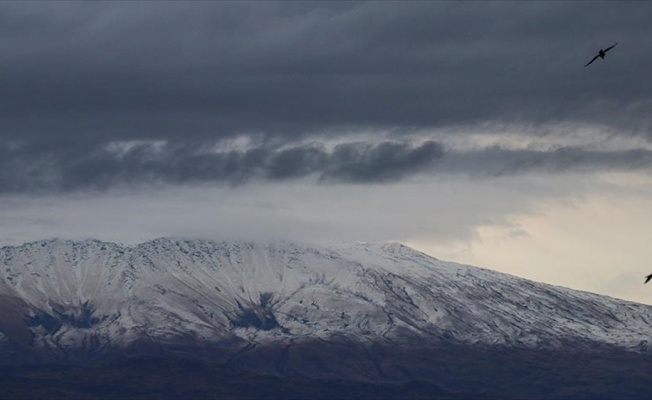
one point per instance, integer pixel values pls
(647, 278)
(601, 54)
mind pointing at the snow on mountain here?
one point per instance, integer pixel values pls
(91, 296)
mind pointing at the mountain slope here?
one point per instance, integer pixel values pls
(92, 296)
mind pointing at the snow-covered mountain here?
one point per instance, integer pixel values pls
(93, 297)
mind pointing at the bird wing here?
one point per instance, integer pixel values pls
(609, 48)
(647, 278)
(590, 62)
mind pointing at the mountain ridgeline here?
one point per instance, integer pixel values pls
(366, 314)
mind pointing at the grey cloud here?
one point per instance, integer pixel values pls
(495, 161)
(86, 166)
(45, 168)
(120, 70)
(75, 76)
(381, 163)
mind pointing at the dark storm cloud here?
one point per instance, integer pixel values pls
(47, 168)
(100, 70)
(495, 161)
(384, 162)
(75, 76)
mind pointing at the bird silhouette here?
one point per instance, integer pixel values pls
(647, 278)
(601, 54)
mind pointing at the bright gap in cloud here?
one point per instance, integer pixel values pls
(599, 243)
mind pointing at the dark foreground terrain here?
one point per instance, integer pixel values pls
(183, 379)
(449, 372)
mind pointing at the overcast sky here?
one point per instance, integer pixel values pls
(471, 131)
